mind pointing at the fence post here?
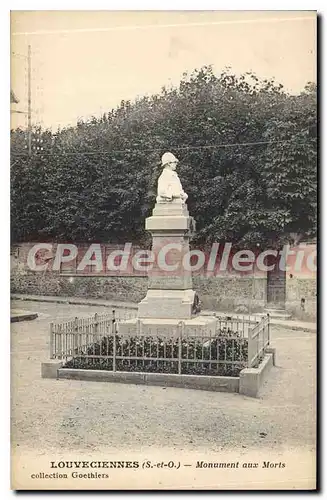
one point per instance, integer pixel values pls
(75, 336)
(264, 337)
(138, 327)
(60, 342)
(96, 325)
(180, 330)
(114, 352)
(52, 354)
(250, 346)
(113, 322)
(268, 318)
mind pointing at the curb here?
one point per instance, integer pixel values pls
(50, 368)
(248, 383)
(23, 317)
(252, 379)
(201, 382)
(77, 302)
(128, 305)
(295, 328)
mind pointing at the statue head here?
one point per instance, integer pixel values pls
(169, 160)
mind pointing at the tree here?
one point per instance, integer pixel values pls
(247, 153)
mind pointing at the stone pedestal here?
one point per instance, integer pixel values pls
(173, 304)
(170, 293)
(170, 297)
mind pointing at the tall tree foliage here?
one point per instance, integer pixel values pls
(247, 153)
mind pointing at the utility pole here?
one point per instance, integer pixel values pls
(29, 101)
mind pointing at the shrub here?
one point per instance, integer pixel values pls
(223, 355)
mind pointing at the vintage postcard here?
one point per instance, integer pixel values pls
(163, 250)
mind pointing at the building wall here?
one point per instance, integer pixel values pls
(301, 297)
(230, 294)
(227, 292)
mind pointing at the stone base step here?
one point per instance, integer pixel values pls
(199, 326)
(278, 314)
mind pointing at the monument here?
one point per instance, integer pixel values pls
(170, 297)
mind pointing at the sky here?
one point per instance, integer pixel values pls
(84, 63)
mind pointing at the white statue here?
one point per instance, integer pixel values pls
(169, 185)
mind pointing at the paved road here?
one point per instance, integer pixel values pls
(293, 324)
(58, 416)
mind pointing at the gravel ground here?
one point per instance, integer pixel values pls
(57, 416)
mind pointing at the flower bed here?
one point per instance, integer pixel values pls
(223, 355)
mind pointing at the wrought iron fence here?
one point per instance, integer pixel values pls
(95, 343)
(258, 341)
(235, 325)
(68, 336)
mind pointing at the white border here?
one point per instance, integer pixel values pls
(167, 5)
(4, 196)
